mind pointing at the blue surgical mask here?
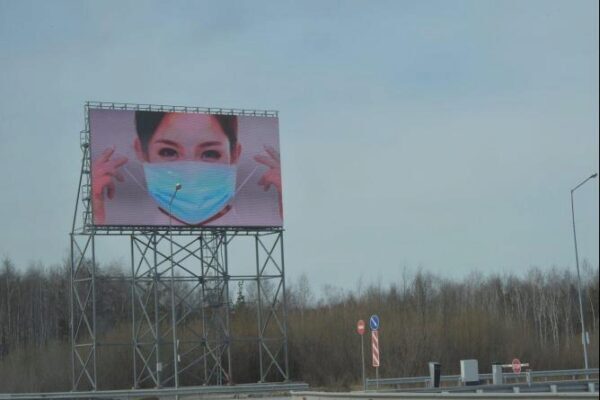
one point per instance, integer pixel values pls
(206, 188)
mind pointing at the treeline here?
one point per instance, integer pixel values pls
(493, 318)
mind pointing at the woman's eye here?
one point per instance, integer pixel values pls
(211, 155)
(167, 152)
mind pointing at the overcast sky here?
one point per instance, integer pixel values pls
(442, 135)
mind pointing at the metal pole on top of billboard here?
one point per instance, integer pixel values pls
(583, 332)
(173, 316)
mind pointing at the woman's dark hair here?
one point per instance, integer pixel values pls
(146, 123)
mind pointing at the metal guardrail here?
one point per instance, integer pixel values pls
(164, 392)
(567, 386)
(372, 383)
(442, 396)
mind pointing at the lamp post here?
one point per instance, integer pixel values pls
(583, 333)
(173, 316)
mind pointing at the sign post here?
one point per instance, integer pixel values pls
(360, 328)
(374, 325)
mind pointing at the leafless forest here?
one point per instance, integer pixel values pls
(533, 316)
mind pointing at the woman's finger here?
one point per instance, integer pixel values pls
(110, 189)
(272, 152)
(100, 183)
(119, 161)
(265, 182)
(105, 156)
(269, 162)
(119, 176)
(111, 172)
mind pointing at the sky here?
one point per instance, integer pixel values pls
(434, 135)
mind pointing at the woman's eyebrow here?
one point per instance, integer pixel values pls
(212, 143)
(169, 142)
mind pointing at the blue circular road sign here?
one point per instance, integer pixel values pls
(374, 322)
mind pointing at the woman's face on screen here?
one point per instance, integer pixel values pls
(189, 137)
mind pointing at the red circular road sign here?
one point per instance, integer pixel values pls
(360, 327)
(516, 366)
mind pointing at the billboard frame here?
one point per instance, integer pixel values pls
(86, 179)
(160, 257)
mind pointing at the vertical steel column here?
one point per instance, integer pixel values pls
(284, 305)
(173, 311)
(156, 311)
(78, 309)
(228, 338)
(215, 312)
(202, 306)
(272, 313)
(83, 312)
(93, 289)
(133, 322)
(259, 311)
(72, 310)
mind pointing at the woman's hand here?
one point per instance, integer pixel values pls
(273, 174)
(104, 172)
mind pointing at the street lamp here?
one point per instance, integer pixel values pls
(173, 316)
(583, 332)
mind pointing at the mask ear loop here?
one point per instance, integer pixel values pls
(246, 180)
(133, 178)
(241, 186)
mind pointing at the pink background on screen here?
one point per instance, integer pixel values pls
(132, 205)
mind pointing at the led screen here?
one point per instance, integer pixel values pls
(184, 169)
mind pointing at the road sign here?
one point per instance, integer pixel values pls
(360, 327)
(375, 348)
(374, 322)
(516, 366)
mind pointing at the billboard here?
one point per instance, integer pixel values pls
(153, 168)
